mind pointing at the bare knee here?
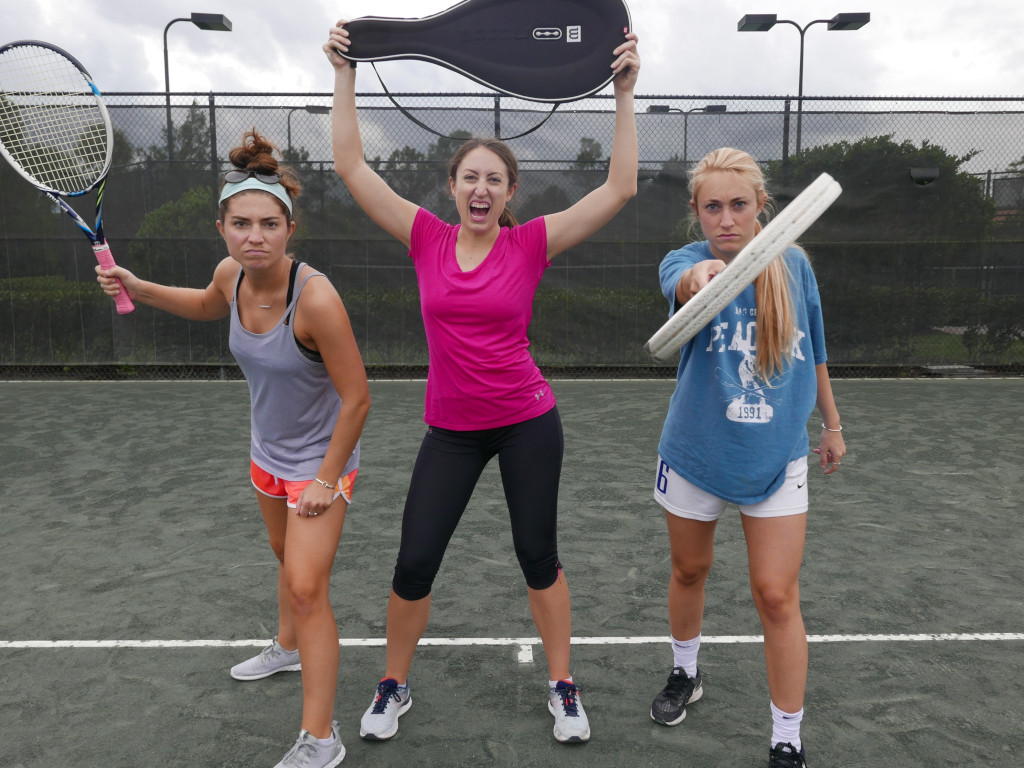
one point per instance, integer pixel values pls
(777, 604)
(306, 593)
(690, 573)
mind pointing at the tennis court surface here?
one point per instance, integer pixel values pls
(135, 573)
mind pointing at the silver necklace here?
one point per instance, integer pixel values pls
(261, 306)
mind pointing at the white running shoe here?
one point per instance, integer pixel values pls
(269, 661)
(308, 752)
(390, 702)
(571, 724)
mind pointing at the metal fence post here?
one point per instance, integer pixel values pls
(213, 140)
(785, 145)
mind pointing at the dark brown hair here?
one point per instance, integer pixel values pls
(256, 153)
(500, 148)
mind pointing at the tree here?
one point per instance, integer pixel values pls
(124, 152)
(663, 204)
(881, 202)
(589, 157)
(191, 139)
(419, 176)
(549, 200)
(185, 223)
(26, 212)
(899, 262)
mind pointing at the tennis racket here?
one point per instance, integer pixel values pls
(770, 243)
(56, 133)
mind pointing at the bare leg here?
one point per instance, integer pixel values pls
(275, 517)
(310, 548)
(692, 544)
(775, 548)
(553, 617)
(407, 621)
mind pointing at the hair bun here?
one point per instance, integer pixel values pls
(257, 153)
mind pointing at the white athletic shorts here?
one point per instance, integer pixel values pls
(684, 499)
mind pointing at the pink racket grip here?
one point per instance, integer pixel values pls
(122, 301)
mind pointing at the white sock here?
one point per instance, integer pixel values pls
(326, 742)
(552, 684)
(684, 654)
(786, 727)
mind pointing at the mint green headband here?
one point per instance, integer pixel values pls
(277, 190)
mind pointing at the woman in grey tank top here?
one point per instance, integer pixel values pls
(309, 400)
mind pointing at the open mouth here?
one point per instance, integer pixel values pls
(478, 210)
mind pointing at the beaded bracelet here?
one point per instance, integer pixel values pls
(828, 429)
(331, 487)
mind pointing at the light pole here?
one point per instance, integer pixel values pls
(217, 22)
(708, 108)
(311, 109)
(841, 22)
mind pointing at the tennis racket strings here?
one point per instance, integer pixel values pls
(52, 122)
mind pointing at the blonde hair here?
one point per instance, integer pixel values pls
(776, 316)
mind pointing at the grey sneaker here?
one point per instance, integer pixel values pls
(571, 724)
(271, 659)
(308, 753)
(390, 702)
(669, 707)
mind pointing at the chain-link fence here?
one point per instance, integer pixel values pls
(920, 262)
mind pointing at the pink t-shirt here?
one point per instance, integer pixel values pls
(481, 373)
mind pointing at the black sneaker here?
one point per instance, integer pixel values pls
(786, 756)
(669, 707)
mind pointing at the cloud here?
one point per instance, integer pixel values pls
(910, 48)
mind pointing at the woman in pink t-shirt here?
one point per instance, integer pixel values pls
(485, 395)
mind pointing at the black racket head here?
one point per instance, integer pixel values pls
(538, 50)
(54, 126)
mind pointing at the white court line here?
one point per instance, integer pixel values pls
(522, 642)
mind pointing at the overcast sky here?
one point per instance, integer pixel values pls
(689, 48)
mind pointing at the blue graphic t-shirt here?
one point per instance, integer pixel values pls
(728, 431)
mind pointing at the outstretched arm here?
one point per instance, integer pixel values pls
(210, 303)
(392, 213)
(574, 225)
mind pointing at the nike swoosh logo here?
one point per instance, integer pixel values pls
(801, 485)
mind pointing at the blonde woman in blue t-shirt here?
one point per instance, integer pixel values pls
(736, 431)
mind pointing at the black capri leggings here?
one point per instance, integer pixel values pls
(446, 472)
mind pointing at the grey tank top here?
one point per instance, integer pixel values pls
(294, 405)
